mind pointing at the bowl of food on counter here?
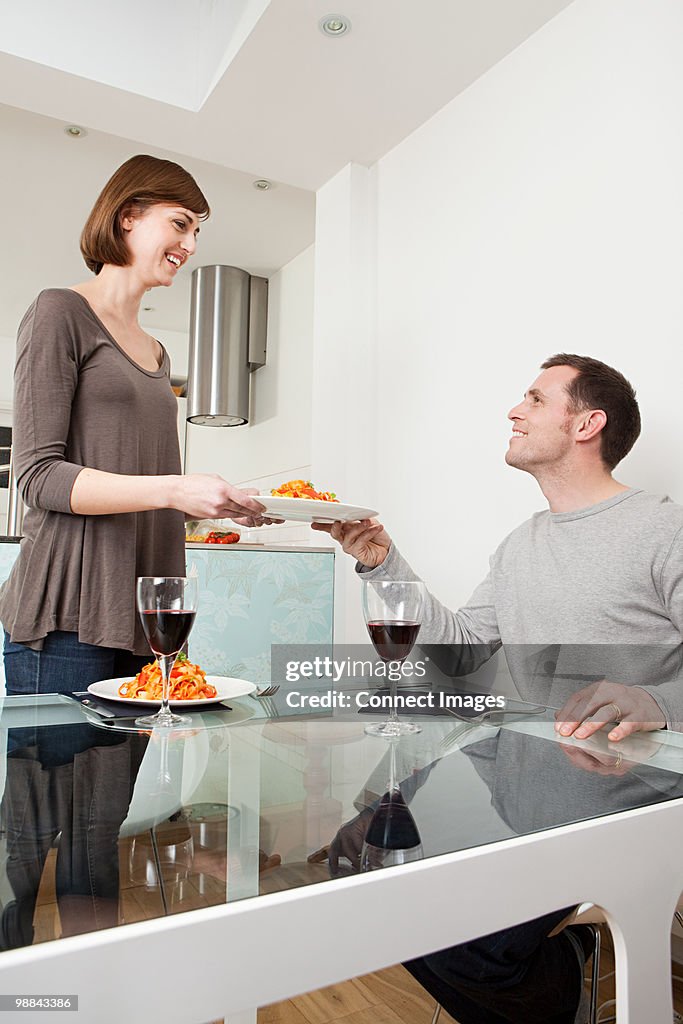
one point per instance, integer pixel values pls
(210, 532)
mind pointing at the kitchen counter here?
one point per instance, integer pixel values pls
(254, 545)
(241, 545)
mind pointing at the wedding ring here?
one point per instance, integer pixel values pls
(617, 712)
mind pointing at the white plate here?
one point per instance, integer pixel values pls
(308, 510)
(227, 687)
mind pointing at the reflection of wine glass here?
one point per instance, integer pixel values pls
(392, 836)
(393, 614)
(167, 607)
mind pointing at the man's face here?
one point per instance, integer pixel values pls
(542, 426)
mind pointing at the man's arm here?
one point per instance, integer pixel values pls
(472, 630)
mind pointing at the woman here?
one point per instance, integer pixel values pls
(95, 444)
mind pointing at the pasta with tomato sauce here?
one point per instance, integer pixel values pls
(302, 489)
(188, 682)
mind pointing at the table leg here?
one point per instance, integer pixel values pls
(642, 956)
(243, 1017)
(244, 792)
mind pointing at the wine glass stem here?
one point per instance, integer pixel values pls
(393, 691)
(393, 784)
(166, 663)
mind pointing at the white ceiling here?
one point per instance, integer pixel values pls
(293, 106)
(206, 33)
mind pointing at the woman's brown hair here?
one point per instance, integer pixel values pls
(141, 182)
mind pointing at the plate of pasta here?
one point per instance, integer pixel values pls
(300, 502)
(189, 685)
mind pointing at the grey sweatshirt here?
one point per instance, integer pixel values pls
(576, 597)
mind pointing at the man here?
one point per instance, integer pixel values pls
(596, 583)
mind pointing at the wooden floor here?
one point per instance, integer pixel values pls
(391, 996)
(394, 996)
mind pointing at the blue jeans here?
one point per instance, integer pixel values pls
(64, 665)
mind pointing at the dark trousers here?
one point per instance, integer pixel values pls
(514, 976)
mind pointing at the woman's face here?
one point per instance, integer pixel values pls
(160, 239)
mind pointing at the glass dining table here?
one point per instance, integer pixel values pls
(198, 874)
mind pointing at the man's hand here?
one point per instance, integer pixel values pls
(366, 540)
(596, 706)
(603, 763)
(348, 843)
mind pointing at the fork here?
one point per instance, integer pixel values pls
(447, 741)
(266, 691)
(263, 695)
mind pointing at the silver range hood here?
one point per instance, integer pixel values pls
(228, 320)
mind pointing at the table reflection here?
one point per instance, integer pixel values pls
(532, 783)
(69, 786)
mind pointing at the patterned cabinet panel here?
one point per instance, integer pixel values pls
(249, 600)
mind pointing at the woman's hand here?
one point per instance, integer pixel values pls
(367, 540)
(209, 496)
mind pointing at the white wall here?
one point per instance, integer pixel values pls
(345, 385)
(277, 439)
(540, 211)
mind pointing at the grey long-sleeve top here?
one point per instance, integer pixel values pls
(576, 597)
(80, 401)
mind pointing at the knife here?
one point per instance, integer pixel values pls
(105, 712)
(91, 705)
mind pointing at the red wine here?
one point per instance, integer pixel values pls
(392, 826)
(167, 629)
(393, 640)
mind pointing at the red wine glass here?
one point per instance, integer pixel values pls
(392, 836)
(393, 614)
(167, 607)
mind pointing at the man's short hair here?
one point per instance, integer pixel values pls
(599, 386)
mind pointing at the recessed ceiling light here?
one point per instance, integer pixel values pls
(74, 131)
(334, 25)
(262, 185)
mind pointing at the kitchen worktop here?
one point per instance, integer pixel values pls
(251, 545)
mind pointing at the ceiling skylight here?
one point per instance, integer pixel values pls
(169, 50)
